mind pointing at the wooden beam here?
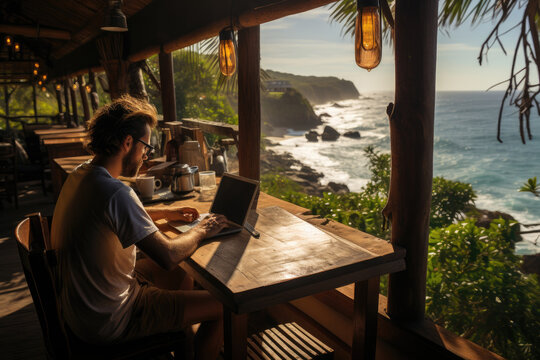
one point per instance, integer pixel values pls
(34, 97)
(35, 31)
(411, 134)
(136, 81)
(67, 115)
(84, 98)
(168, 94)
(249, 102)
(94, 97)
(7, 94)
(59, 100)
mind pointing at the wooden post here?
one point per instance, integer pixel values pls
(94, 97)
(84, 98)
(67, 115)
(411, 133)
(35, 103)
(249, 102)
(168, 94)
(58, 100)
(6, 104)
(75, 117)
(136, 81)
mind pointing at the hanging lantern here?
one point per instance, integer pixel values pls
(44, 77)
(17, 47)
(367, 44)
(115, 20)
(75, 86)
(8, 40)
(35, 72)
(88, 88)
(43, 88)
(36, 65)
(227, 52)
(40, 82)
(58, 87)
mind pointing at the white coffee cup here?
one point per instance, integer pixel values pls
(146, 185)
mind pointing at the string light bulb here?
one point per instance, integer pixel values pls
(43, 89)
(35, 72)
(88, 89)
(227, 52)
(75, 86)
(44, 77)
(17, 47)
(8, 40)
(36, 65)
(58, 87)
(40, 83)
(367, 43)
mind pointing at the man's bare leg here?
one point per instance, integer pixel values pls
(200, 307)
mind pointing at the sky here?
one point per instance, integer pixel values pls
(309, 44)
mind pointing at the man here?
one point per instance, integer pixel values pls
(98, 222)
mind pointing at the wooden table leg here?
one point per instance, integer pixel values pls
(366, 303)
(235, 335)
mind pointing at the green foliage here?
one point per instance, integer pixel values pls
(379, 165)
(449, 200)
(475, 289)
(531, 186)
(195, 85)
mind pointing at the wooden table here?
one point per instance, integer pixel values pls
(73, 134)
(63, 130)
(290, 260)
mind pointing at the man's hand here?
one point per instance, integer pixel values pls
(212, 224)
(173, 213)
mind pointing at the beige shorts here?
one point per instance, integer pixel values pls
(155, 311)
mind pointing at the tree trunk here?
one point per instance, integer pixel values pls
(411, 131)
(249, 102)
(84, 98)
(168, 94)
(136, 81)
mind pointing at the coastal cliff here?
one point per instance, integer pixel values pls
(318, 89)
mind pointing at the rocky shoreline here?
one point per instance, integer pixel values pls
(303, 175)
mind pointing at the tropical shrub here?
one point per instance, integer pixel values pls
(475, 289)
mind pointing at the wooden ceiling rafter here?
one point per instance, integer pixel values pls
(34, 31)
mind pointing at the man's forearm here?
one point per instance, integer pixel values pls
(184, 245)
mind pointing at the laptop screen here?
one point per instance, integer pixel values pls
(233, 198)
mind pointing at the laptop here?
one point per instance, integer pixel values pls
(234, 198)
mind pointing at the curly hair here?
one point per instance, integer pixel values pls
(113, 122)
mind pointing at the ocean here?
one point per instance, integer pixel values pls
(465, 149)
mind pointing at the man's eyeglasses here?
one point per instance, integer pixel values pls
(148, 149)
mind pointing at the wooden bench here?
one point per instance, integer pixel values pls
(287, 341)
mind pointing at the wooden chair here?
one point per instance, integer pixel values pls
(39, 263)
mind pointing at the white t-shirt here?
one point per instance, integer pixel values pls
(96, 222)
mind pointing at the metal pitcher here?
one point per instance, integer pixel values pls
(183, 178)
